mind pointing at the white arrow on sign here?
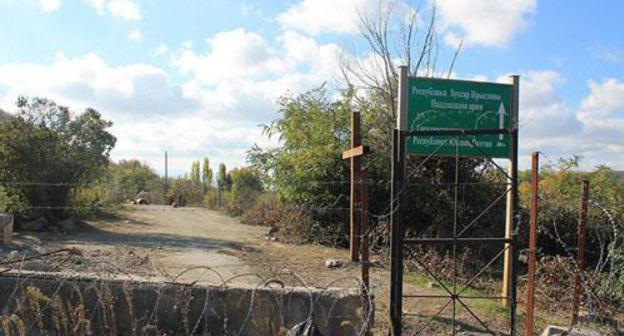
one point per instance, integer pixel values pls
(501, 119)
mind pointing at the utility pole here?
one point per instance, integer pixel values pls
(166, 185)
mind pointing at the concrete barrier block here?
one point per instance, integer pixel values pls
(123, 306)
(6, 229)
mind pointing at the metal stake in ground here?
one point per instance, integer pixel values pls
(364, 249)
(355, 155)
(529, 322)
(580, 251)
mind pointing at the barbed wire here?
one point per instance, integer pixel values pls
(102, 291)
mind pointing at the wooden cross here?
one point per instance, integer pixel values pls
(355, 154)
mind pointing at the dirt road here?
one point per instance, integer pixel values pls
(159, 240)
(198, 245)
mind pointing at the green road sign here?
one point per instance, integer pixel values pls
(439, 104)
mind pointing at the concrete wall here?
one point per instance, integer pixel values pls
(6, 229)
(127, 307)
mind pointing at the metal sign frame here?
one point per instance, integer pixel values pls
(399, 186)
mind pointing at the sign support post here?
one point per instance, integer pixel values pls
(511, 211)
(396, 222)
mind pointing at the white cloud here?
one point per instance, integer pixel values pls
(186, 139)
(489, 23)
(321, 59)
(161, 51)
(150, 113)
(121, 92)
(135, 35)
(327, 16)
(229, 85)
(602, 113)
(232, 54)
(606, 100)
(612, 55)
(50, 5)
(593, 130)
(542, 108)
(124, 9)
(241, 75)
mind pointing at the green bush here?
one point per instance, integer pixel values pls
(9, 203)
(46, 153)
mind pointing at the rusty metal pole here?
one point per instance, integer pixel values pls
(356, 140)
(364, 228)
(529, 322)
(580, 251)
(364, 248)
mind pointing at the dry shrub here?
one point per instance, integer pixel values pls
(233, 209)
(554, 279)
(442, 265)
(268, 210)
(296, 224)
(210, 199)
(12, 325)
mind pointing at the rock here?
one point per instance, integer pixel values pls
(273, 230)
(67, 225)
(6, 229)
(433, 284)
(552, 330)
(14, 255)
(333, 263)
(34, 225)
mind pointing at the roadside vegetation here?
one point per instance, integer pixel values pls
(54, 165)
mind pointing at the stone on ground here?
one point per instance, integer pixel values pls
(560, 331)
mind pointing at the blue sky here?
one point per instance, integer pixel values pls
(196, 77)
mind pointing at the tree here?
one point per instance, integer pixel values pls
(246, 187)
(195, 173)
(45, 153)
(206, 174)
(224, 179)
(313, 130)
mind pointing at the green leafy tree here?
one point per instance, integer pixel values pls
(206, 174)
(45, 153)
(313, 131)
(195, 173)
(224, 179)
(246, 187)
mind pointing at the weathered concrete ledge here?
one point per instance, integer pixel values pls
(6, 229)
(116, 305)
